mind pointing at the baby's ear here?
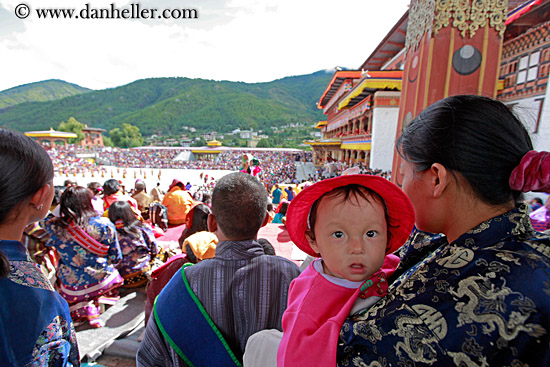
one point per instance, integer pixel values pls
(310, 237)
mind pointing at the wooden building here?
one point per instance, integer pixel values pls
(507, 59)
(93, 137)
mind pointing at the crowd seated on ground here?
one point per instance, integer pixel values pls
(85, 250)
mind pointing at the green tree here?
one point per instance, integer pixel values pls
(107, 141)
(263, 143)
(72, 126)
(126, 137)
(198, 143)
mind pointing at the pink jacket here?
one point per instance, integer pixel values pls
(317, 309)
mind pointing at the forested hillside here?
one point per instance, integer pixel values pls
(47, 90)
(164, 105)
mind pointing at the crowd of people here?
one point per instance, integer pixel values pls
(445, 270)
(276, 166)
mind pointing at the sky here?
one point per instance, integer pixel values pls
(237, 40)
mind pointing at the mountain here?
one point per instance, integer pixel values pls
(47, 90)
(164, 105)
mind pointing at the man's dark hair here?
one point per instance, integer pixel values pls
(239, 203)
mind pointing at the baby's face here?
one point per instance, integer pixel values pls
(351, 236)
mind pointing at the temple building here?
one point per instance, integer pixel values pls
(363, 107)
(51, 137)
(92, 137)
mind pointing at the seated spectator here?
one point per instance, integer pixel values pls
(112, 192)
(178, 203)
(36, 328)
(88, 248)
(97, 202)
(280, 217)
(199, 246)
(137, 243)
(535, 203)
(142, 198)
(157, 193)
(241, 290)
(196, 221)
(270, 212)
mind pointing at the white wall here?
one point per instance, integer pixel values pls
(542, 140)
(527, 110)
(384, 126)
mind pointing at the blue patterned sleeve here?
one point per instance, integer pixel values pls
(109, 237)
(150, 240)
(57, 345)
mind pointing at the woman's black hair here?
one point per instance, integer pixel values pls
(477, 137)
(76, 205)
(121, 210)
(110, 187)
(95, 187)
(26, 167)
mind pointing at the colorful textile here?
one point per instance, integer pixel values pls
(178, 203)
(540, 219)
(318, 304)
(159, 278)
(35, 325)
(137, 253)
(242, 290)
(482, 300)
(85, 276)
(278, 218)
(86, 241)
(119, 196)
(143, 200)
(202, 244)
(34, 239)
(177, 302)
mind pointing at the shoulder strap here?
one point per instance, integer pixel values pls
(188, 328)
(87, 241)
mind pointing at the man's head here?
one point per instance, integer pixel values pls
(239, 204)
(139, 186)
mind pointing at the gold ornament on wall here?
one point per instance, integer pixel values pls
(468, 16)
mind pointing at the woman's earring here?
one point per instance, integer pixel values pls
(39, 207)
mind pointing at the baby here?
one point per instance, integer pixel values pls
(353, 223)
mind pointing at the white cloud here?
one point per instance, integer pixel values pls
(238, 40)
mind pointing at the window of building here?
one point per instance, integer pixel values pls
(533, 66)
(522, 74)
(528, 68)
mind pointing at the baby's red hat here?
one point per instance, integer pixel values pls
(400, 210)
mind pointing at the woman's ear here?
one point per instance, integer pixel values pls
(439, 179)
(40, 197)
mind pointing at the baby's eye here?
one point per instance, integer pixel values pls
(338, 234)
(372, 234)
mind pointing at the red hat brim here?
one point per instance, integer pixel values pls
(400, 210)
